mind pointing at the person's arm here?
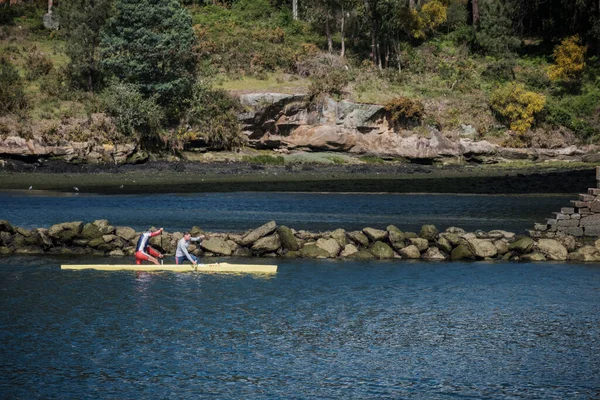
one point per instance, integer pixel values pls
(198, 239)
(155, 233)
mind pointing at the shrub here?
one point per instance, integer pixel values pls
(405, 112)
(569, 57)
(332, 83)
(12, 95)
(500, 70)
(213, 115)
(56, 84)
(37, 64)
(133, 114)
(517, 106)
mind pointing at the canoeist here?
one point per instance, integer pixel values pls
(143, 250)
(182, 254)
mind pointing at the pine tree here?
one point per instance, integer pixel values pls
(150, 43)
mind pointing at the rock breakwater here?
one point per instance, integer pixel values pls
(100, 238)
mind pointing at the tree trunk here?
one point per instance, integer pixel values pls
(295, 9)
(343, 34)
(328, 34)
(475, 6)
(369, 12)
(411, 4)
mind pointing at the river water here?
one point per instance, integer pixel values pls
(315, 330)
(311, 211)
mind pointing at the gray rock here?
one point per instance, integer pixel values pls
(65, 232)
(455, 230)
(6, 226)
(313, 251)
(216, 245)
(535, 256)
(104, 226)
(267, 244)
(90, 231)
(116, 253)
(382, 250)
(340, 237)
(522, 245)
(585, 253)
(552, 249)
(288, 240)
(429, 232)
(501, 246)
(410, 252)
(462, 252)
(4, 250)
(359, 238)
(422, 244)
(6, 238)
(444, 244)
(375, 234)
(433, 254)
(259, 232)
(394, 234)
(50, 21)
(242, 252)
(125, 232)
(452, 238)
(348, 250)
(363, 255)
(482, 248)
(331, 246)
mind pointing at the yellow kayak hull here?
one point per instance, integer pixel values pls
(217, 267)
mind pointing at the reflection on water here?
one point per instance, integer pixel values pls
(315, 330)
(311, 211)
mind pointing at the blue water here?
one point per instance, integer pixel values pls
(311, 211)
(315, 330)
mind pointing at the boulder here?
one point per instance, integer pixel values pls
(42, 234)
(395, 235)
(108, 238)
(375, 234)
(348, 250)
(6, 238)
(462, 252)
(267, 244)
(18, 240)
(28, 250)
(81, 242)
(455, 230)
(482, 248)
(258, 233)
(501, 246)
(399, 245)
(422, 244)
(340, 237)
(359, 238)
(196, 231)
(96, 242)
(104, 227)
(497, 234)
(5, 250)
(452, 238)
(522, 245)
(410, 235)
(433, 254)
(216, 245)
(313, 251)
(429, 232)
(23, 231)
(288, 240)
(362, 255)
(90, 231)
(444, 244)
(410, 252)
(65, 232)
(242, 252)
(125, 232)
(585, 253)
(331, 246)
(6, 226)
(381, 250)
(568, 241)
(116, 253)
(552, 249)
(535, 256)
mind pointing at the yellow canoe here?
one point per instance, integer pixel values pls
(217, 267)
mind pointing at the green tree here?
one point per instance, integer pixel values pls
(150, 43)
(12, 95)
(83, 20)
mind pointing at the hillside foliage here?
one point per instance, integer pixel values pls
(490, 65)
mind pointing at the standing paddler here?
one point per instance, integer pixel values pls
(182, 254)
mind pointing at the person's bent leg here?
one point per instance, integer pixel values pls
(140, 256)
(153, 252)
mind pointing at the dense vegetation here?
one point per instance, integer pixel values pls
(523, 72)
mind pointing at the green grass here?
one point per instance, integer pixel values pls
(264, 160)
(371, 159)
(272, 82)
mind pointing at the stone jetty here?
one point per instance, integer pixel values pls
(100, 238)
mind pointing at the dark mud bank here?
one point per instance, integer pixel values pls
(165, 177)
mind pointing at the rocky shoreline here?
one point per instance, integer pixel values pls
(99, 238)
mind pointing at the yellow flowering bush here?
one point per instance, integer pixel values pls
(517, 106)
(569, 57)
